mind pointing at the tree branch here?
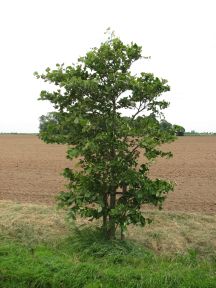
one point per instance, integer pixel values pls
(140, 109)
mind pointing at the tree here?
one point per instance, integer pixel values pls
(165, 125)
(89, 100)
(179, 130)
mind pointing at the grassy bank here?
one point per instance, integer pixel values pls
(37, 249)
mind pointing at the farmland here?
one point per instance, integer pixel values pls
(30, 171)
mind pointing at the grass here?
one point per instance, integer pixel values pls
(37, 249)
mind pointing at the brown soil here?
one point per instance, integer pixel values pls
(30, 171)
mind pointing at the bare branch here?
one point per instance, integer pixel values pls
(140, 109)
(135, 148)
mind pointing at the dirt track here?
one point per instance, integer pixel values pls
(30, 171)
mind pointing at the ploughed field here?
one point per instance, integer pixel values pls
(30, 171)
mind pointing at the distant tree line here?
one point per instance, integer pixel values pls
(195, 133)
(59, 127)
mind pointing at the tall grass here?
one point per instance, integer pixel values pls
(37, 249)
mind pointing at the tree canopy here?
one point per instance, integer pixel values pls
(92, 100)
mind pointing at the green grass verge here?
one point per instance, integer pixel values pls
(71, 257)
(100, 265)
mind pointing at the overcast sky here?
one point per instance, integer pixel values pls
(178, 35)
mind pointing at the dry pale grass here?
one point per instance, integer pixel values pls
(168, 233)
(177, 232)
(31, 223)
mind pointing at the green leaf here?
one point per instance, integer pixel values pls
(73, 153)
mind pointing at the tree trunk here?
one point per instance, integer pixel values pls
(122, 234)
(124, 190)
(105, 212)
(111, 224)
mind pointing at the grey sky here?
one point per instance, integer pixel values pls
(178, 35)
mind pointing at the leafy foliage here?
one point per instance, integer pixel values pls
(178, 130)
(91, 101)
